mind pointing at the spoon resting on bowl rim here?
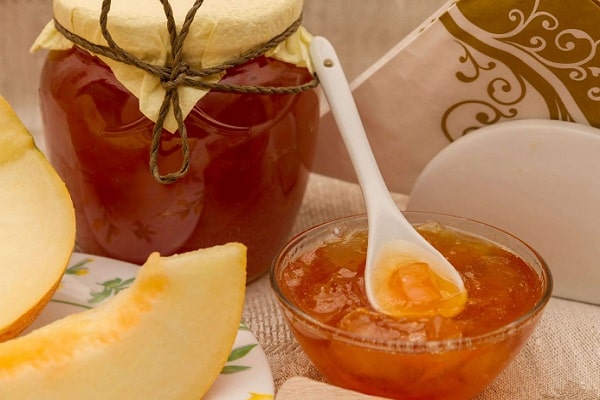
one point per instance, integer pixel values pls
(405, 276)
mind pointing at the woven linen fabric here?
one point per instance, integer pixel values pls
(561, 360)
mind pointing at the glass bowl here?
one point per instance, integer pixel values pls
(454, 365)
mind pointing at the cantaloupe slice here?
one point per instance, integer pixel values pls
(167, 337)
(37, 226)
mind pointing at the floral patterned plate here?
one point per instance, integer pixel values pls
(90, 280)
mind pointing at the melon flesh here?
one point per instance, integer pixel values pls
(167, 337)
(37, 226)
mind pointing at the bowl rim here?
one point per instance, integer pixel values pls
(415, 347)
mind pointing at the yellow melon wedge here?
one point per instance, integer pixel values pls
(167, 337)
(37, 226)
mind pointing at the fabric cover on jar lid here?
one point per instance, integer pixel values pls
(221, 31)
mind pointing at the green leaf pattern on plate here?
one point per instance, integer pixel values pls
(236, 354)
(109, 288)
(79, 268)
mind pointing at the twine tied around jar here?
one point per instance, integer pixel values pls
(177, 72)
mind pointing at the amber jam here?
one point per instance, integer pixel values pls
(321, 283)
(250, 160)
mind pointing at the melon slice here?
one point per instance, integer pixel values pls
(37, 226)
(167, 337)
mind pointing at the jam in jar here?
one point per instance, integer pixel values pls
(250, 156)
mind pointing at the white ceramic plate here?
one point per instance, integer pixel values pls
(90, 280)
(537, 179)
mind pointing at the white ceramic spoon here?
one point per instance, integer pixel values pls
(394, 248)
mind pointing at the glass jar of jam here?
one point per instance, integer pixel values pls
(249, 154)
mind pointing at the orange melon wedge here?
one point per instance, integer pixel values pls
(37, 226)
(167, 337)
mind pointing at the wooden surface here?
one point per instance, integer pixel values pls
(300, 388)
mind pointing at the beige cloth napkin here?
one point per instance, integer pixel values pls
(560, 361)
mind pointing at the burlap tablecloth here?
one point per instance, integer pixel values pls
(560, 361)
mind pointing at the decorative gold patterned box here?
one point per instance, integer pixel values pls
(471, 64)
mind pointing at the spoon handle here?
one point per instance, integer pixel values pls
(345, 112)
(383, 213)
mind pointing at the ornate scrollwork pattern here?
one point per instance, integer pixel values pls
(502, 93)
(526, 45)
